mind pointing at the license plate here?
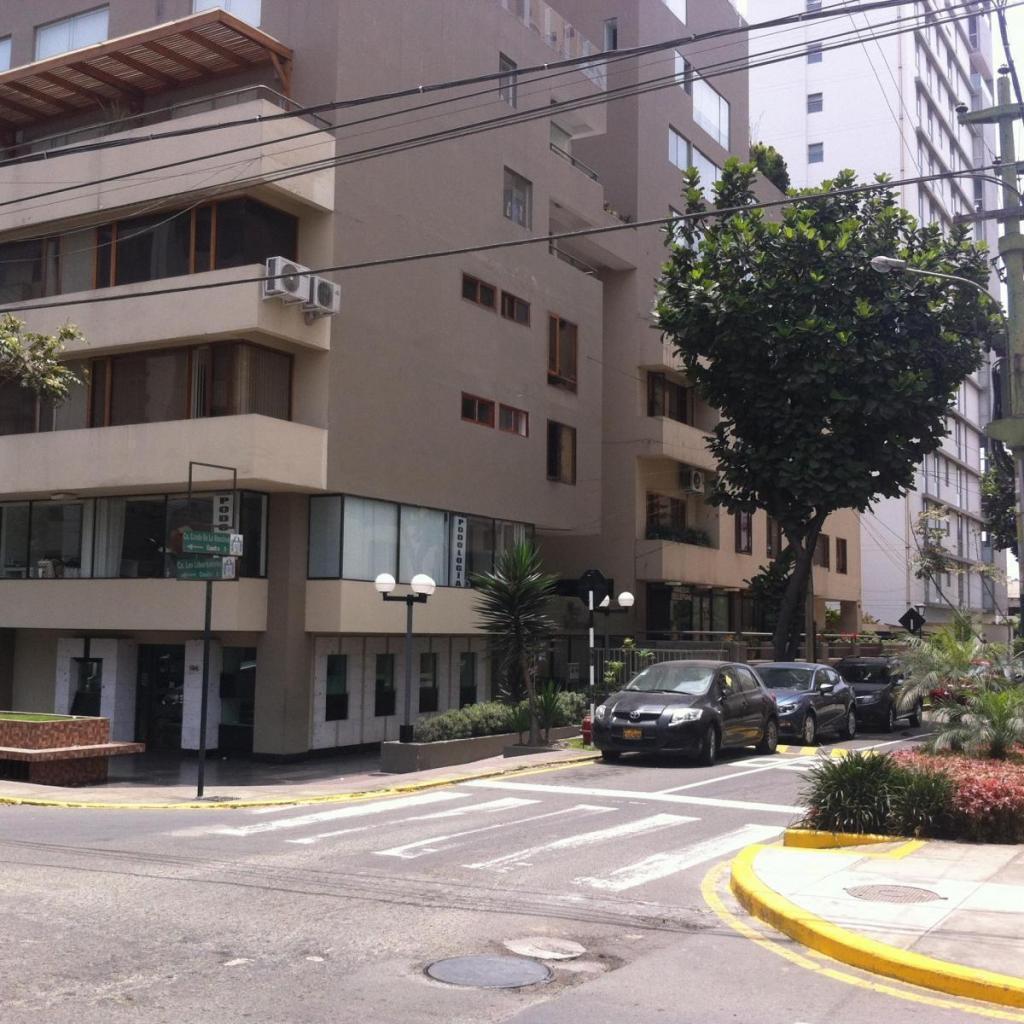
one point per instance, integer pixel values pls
(632, 734)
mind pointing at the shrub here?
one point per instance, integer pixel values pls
(493, 717)
(921, 803)
(574, 707)
(853, 794)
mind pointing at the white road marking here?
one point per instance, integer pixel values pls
(661, 865)
(523, 858)
(629, 794)
(348, 811)
(437, 843)
(490, 807)
(276, 809)
(722, 778)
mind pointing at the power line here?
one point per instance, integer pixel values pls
(663, 222)
(515, 118)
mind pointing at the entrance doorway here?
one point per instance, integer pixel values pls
(159, 696)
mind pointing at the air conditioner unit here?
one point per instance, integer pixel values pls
(691, 480)
(324, 297)
(286, 280)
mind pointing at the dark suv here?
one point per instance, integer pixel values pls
(877, 685)
(694, 707)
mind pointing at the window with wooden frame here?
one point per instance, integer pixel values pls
(665, 513)
(514, 421)
(744, 533)
(562, 353)
(774, 540)
(561, 453)
(478, 291)
(478, 410)
(667, 398)
(841, 557)
(515, 308)
(822, 551)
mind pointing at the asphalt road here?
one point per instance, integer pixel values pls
(330, 913)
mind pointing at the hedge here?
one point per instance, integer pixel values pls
(491, 718)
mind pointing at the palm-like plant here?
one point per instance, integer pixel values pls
(991, 724)
(512, 609)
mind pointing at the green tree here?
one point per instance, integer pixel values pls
(832, 382)
(999, 499)
(512, 610)
(770, 163)
(31, 360)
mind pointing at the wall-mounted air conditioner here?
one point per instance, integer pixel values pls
(691, 480)
(286, 280)
(324, 297)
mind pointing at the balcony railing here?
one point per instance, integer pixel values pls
(680, 535)
(565, 257)
(578, 164)
(558, 33)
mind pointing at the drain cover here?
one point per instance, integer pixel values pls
(545, 948)
(489, 971)
(894, 894)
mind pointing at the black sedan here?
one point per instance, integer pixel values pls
(812, 699)
(878, 688)
(693, 707)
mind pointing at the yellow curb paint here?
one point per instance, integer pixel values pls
(331, 798)
(812, 839)
(785, 748)
(710, 886)
(859, 951)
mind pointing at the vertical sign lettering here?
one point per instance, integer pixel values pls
(458, 557)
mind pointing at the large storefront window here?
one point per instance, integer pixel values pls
(14, 521)
(683, 612)
(360, 538)
(55, 532)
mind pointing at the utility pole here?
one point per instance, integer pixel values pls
(1010, 427)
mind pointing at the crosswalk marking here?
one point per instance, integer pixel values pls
(522, 858)
(629, 794)
(661, 865)
(348, 811)
(435, 844)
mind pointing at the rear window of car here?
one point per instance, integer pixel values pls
(864, 673)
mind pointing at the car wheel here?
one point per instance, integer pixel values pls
(890, 718)
(914, 718)
(708, 747)
(850, 728)
(610, 755)
(770, 738)
(809, 731)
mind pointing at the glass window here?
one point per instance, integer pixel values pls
(816, 153)
(152, 247)
(667, 398)
(508, 535)
(325, 536)
(88, 678)
(467, 678)
(21, 270)
(678, 150)
(711, 111)
(18, 408)
(336, 705)
(261, 383)
(72, 33)
(841, 565)
(14, 540)
(507, 83)
(249, 231)
(5, 53)
(245, 10)
(56, 539)
(130, 538)
(428, 682)
(384, 686)
(744, 533)
(478, 291)
(478, 410)
(561, 453)
(562, 352)
(370, 538)
(514, 308)
(815, 102)
(814, 53)
(708, 169)
(677, 7)
(518, 199)
(821, 551)
(423, 544)
(77, 260)
(611, 34)
(149, 387)
(684, 75)
(479, 545)
(513, 421)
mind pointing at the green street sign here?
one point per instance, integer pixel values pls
(210, 542)
(202, 567)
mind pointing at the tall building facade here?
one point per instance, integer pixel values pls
(888, 104)
(438, 411)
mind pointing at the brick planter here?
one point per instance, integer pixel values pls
(58, 732)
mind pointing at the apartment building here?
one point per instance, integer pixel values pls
(448, 407)
(888, 104)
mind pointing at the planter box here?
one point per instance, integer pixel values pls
(51, 731)
(414, 757)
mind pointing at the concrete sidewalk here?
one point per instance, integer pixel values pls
(948, 916)
(149, 781)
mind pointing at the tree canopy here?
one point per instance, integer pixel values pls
(32, 361)
(771, 164)
(832, 381)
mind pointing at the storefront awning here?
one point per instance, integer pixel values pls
(127, 69)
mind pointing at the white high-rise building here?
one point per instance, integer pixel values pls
(888, 103)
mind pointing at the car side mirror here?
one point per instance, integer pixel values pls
(826, 687)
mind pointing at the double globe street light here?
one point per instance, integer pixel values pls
(422, 587)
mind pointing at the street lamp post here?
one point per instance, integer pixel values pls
(626, 600)
(422, 587)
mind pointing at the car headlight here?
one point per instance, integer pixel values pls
(684, 715)
(600, 712)
(870, 698)
(787, 709)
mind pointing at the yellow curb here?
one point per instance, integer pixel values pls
(814, 839)
(815, 932)
(331, 798)
(788, 748)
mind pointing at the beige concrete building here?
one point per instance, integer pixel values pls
(443, 409)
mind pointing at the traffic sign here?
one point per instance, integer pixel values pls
(205, 567)
(912, 621)
(210, 542)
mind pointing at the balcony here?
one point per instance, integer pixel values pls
(351, 606)
(235, 311)
(270, 455)
(123, 605)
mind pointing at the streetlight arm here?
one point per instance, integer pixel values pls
(948, 277)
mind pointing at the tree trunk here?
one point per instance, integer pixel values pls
(786, 639)
(531, 697)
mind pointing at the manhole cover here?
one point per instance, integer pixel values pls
(894, 894)
(544, 948)
(489, 971)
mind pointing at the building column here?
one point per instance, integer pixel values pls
(118, 681)
(193, 694)
(68, 648)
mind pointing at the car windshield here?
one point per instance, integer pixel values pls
(673, 677)
(874, 674)
(786, 678)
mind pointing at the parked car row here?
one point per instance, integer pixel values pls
(698, 707)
